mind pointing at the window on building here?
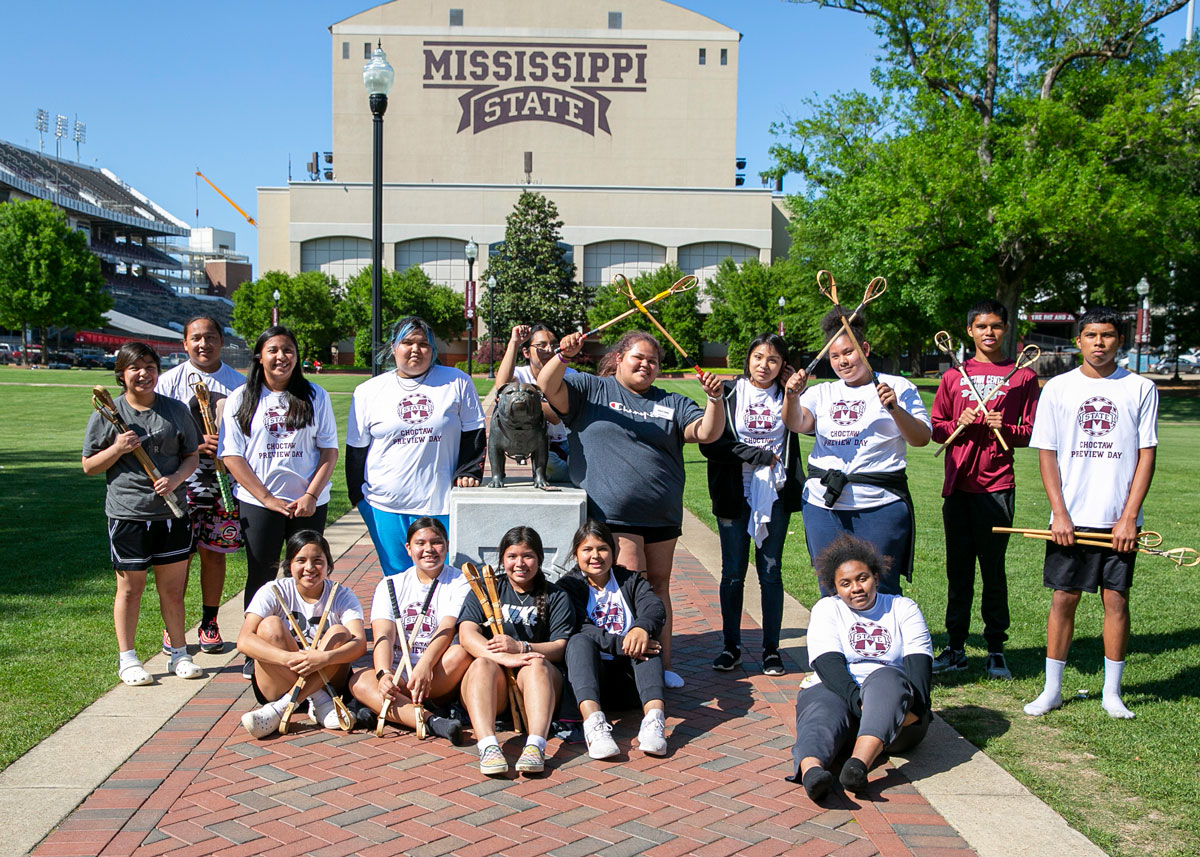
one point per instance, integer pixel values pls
(366, 50)
(441, 258)
(703, 56)
(614, 20)
(606, 259)
(724, 56)
(340, 256)
(456, 17)
(345, 50)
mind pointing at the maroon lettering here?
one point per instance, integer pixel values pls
(537, 66)
(501, 68)
(622, 64)
(599, 63)
(437, 63)
(479, 65)
(562, 66)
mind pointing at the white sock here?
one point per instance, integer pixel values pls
(177, 652)
(1051, 697)
(127, 659)
(490, 741)
(1110, 701)
(538, 741)
(280, 704)
(320, 697)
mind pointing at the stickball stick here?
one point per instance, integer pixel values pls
(200, 389)
(946, 345)
(1184, 557)
(103, 402)
(1028, 356)
(874, 289)
(830, 292)
(1146, 538)
(344, 720)
(495, 626)
(683, 284)
(405, 648)
(641, 307)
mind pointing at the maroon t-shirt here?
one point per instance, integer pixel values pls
(975, 462)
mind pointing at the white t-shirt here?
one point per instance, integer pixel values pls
(283, 460)
(856, 434)
(413, 430)
(609, 611)
(758, 422)
(346, 606)
(524, 374)
(176, 381)
(1096, 426)
(883, 636)
(452, 590)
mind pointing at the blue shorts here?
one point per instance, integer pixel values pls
(389, 531)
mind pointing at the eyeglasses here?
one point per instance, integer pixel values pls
(544, 348)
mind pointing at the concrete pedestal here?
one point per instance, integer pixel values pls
(479, 518)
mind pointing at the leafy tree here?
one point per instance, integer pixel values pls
(745, 303)
(307, 305)
(1034, 152)
(534, 280)
(48, 276)
(679, 314)
(408, 292)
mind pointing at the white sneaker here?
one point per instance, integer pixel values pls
(261, 722)
(325, 713)
(672, 680)
(598, 734)
(183, 667)
(652, 738)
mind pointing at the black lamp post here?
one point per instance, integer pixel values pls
(275, 309)
(377, 78)
(781, 304)
(471, 251)
(491, 326)
(1143, 319)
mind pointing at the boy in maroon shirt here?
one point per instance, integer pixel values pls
(979, 487)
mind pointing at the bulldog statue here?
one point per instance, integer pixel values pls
(518, 431)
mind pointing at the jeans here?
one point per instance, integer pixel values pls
(885, 527)
(735, 557)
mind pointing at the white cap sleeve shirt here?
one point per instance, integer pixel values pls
(883, 636)
(448, 598)
(346, 606)
(856, 434)
(1096, 427)
(413, 429)
(283, 460)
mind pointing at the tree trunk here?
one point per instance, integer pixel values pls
(1008, 292)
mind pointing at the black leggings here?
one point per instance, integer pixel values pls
(264, 533)
(620, 683)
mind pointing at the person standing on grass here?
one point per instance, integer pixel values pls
(979, 488)
(216, 531)
(142, 531)
(537, 343)
(1096, 436)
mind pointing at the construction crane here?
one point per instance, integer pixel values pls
(228, 200)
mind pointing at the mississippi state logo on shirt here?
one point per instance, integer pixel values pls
(847, 413)
(415, 408)
(609, 617)
(1097, 416)
(413, 615)
(275, 420)
(869, 640)
(760, 419)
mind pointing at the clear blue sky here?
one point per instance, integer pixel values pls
(235, 87)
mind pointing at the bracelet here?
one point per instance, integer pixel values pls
(713, 398)
(528, 647)
(311, 494)
(559, 355)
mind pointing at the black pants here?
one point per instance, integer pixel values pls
(264, 533)
(825, 723)
(969, 519)
(620, 683)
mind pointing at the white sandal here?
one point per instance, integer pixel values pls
(183, 667)
(135, 675)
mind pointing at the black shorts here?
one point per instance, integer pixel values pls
(1086, 568)
(649, 535)
(138, 545)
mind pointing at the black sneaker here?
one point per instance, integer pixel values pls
(773, 664)
(248, 669)
(997, 666)
(727, 660)
(950, 660)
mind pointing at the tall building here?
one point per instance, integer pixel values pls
(623, 114)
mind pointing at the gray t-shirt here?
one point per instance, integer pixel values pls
(168, 435)
(627, 450)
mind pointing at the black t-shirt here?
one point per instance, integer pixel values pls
(520, 614)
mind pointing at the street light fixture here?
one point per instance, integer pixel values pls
(491, 329)
(377, 78)
(471, 251)
(781, 303)
(1143, 318)
(275, 309)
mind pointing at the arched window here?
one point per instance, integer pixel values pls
(340, 256)
(603, 261)
(702, 259)
(443, 259)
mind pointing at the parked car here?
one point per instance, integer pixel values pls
(88, 358)
(175, 358)
(1188, 365)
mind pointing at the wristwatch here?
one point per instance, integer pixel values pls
(379, 674)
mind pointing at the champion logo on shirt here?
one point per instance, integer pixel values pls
(1097, 416)
(415, 408)
(275, 420)
(847, 413)
(760, 419)
(869, 640)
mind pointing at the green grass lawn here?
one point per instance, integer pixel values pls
(1133, 787)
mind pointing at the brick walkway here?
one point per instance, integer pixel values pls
(201, 786)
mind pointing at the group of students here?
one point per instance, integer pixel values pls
(418, 431)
